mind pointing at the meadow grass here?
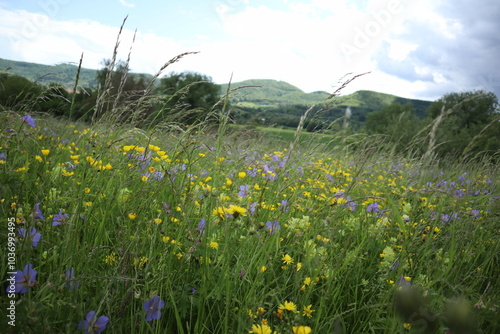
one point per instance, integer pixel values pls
(224, 233)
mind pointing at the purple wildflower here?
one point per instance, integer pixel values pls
(395, 265)
(373, 207)
(152, 308)
(3, 156)
(158, 176)
(252, 208)
(201, 225)
(60, 218)
(38, 212)
(475, 213)
(23, 280)
(243, 193)
(284, 205)
(91, 325)
(29, 120)
(273, 226)
(445, 217)
(33, 235)
(70, 279)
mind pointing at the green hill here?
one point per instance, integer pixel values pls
(63, 74)
(371, 101)
(271, 102)
(268, 92)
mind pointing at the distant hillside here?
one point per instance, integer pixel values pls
(273, 102)
(371, 101)
(271, 93)
(63, 74)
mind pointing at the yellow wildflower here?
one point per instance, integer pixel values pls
(289, 306)
(261, 329)
(45, 152)
(308, 311)
(301, 329)
(287, 259)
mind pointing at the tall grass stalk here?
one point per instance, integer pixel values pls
(75, 87)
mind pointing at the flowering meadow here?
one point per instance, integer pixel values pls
(122, 230)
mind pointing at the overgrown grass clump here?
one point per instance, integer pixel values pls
(191, 232)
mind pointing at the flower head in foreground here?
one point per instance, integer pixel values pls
(29, 120)
(34, 236)
(91, 325)
(152, 308)
(261, 329)
(301, 329)
(236, 210)
(25, 279)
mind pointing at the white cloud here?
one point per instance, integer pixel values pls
(127, 4)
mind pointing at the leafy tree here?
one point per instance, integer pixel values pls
(398, 122)
(187, 96)
(465, 115)
(17, 92)
(118, 91)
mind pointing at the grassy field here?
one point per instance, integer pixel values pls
(121, 230)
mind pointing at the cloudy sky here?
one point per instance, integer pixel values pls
(416, 49)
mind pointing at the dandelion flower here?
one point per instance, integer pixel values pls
(289, 306)
(301, 329)
(287, 259)
(261, 329)
(307, 311)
